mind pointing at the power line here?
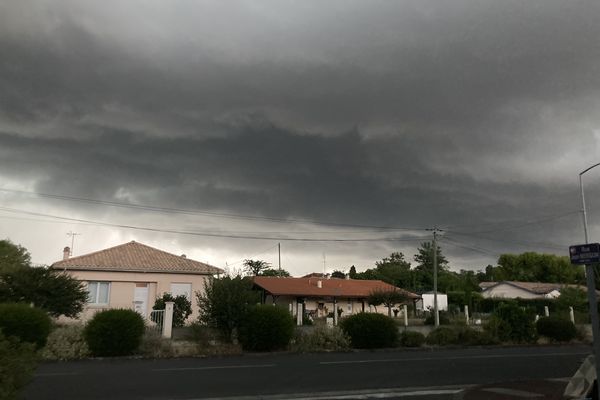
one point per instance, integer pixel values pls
(554, 246)
(171, 210)
(208, 234)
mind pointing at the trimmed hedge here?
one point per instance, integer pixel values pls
(114, 332)
(26, 323)
(471, 337)
(516, 324)
(411, 339)
(321, 338)
(370, 330)
(266, 328)
(557, 329)
(442, 336)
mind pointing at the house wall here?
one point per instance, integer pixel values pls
(509, 292)
(122, 287)
(426, 302)
(311, 305)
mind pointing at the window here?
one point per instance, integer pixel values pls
(177, 289)
(98, 292)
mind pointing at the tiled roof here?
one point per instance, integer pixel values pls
(533, 287)
(308, 287)
(136, 257)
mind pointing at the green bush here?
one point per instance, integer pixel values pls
(444, 318)
(181, 309)
(511, 323)
(411, 339)
(471, 337)
(321, 338)
(370, 330)
(114, 332)
(17, 363)
(266, 328)
(557, 329)
(66, 343)
(26, 323)
(442, 336)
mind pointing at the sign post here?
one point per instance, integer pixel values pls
(588, 255)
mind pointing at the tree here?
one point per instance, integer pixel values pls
(182, 307)
(338, 274)
(535, 267)
(352, 272)
(255, 267)
(424, 268)
(224, 303)
(282, 273)
(388, 298)
(53, 291)
(394, 270)
(13, 255)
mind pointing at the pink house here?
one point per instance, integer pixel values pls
(133, 275)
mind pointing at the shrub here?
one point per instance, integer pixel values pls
(411, 339)
(114, 332)
(181, 309)
(512, 323)
(17, 363)
(370, 331)
(557, 329)
(265, 328)
(27, 323)
(442, 336)
(321, 338)
(153, 345)
(471, 337)
(444, 319)
(66, 343)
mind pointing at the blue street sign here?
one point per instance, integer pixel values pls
(585, 253)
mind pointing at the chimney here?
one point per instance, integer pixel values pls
(319, 284)
(66, 253)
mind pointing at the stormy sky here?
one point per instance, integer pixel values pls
(342, 129)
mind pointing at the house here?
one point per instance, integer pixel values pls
(523, 290)
(133, 275)
(426, 302)
(320, 297)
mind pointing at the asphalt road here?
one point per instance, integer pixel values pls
(292, 374)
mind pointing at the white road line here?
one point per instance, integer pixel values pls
(219, 367)
(450, 358)
(56, 373)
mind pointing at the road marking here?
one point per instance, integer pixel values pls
(449, 358)
(56, 373)
(355, 394)
(219, 367)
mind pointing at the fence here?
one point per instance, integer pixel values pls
(162, 320)
(156, 320)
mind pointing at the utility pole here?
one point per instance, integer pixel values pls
(72, 234)
(279, 252)
(436, 311)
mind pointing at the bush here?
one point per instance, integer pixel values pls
(181, 309)
(370, 331)
(411, 339)
(17, 363)
(26, 323)
(66, 343)
(265, 328)
(153, 345)
(557, 329)
(321, 338)
(444, 319)
(114, 332)
(471, 337)
(511, 323)
(442, 336)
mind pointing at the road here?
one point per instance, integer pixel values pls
(292, 374)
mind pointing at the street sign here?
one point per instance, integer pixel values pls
(585, 253)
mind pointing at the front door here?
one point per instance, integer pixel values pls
(140, 298)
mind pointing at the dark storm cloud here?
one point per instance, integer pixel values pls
(379, 113)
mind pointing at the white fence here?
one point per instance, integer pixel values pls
(162, 320)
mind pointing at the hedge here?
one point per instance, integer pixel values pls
(370, 330)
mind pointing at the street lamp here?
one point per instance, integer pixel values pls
(591, 284)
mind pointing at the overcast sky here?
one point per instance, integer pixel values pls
(281, 120)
